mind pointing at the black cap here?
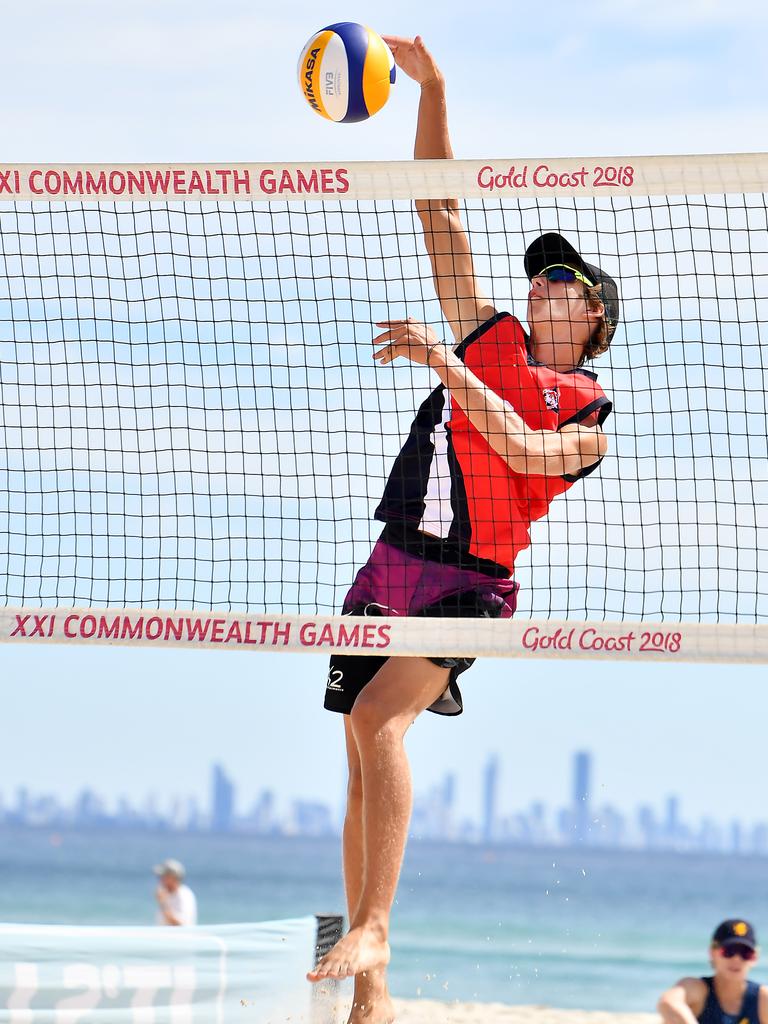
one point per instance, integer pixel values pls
(552, 250)
(735, 932)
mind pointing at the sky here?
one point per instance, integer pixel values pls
(189, 81)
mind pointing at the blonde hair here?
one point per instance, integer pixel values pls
(599, 339)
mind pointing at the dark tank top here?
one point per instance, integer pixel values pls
(713, 1013)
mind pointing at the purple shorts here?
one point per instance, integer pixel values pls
(393, 582)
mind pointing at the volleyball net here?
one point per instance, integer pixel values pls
(194, 435)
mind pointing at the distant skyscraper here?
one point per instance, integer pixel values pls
(449, 791)
(672, 823)
(22, 802)
(193, 815)
(89, 809)
(262, 816)
(582, 769)
(710, 835)
(537, 822)
(647, 825)
(222, 800)
(737, 837)
(447, 804)
(490, 796)
(582, 773)
(607, 827)
(759, 838)
(312, 818)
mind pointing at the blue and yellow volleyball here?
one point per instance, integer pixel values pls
(346, 71)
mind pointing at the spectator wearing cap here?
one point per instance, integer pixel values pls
(727, 996)
(177, 905)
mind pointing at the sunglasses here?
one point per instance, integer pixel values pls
(743, 951)
(559, 272)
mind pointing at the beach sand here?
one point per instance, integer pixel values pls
(433, 1011)
(429, 1011)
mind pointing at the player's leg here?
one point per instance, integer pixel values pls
(347, 677)
(385, 709)
(370, 989)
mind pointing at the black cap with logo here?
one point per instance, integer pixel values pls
(552, 250)
(735, 932)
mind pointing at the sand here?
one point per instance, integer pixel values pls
(428, 1011)
(433, 1011)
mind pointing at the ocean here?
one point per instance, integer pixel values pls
(577, 928)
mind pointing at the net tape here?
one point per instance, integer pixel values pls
(414, 637)
(423, 179)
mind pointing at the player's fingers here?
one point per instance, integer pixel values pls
(381, 344)
(384, 353)
(406, 329)
(394, 41)
(398, 331)
(390, 332)
(391, 352)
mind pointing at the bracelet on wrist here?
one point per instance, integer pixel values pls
(431, 348)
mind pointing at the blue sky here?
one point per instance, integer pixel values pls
(110, 82)
(193, 81)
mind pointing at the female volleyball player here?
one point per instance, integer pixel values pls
(727, 996)
(514, 422)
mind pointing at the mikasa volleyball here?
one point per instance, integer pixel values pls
(346, 71)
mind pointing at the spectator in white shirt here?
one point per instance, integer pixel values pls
(176, 902)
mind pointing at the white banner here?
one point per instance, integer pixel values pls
(384, 636)
(57, 974)
(406, 179)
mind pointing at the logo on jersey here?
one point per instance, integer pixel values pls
(334, 680)
(552, 398)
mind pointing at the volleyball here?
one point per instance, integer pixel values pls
(346, 71)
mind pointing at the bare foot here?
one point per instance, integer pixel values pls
(375, 1011)
(361, 949)
(371, 1003)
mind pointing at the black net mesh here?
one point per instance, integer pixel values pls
(190, 415)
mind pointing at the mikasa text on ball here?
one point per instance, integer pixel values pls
(346, 71)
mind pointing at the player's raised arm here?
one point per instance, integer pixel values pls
(463, 305)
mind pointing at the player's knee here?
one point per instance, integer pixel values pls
(371, 722)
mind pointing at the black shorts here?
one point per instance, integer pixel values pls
(394, 582)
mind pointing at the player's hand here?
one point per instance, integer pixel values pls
(161, 895)
(407, 338)
(412, 56)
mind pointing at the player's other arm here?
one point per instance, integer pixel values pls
(463, 304)
(677, 1004)
(564, 452)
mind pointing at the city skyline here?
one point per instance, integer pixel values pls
(582, 821)
(155, 720)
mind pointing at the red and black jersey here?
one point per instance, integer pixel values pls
(447, 481)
